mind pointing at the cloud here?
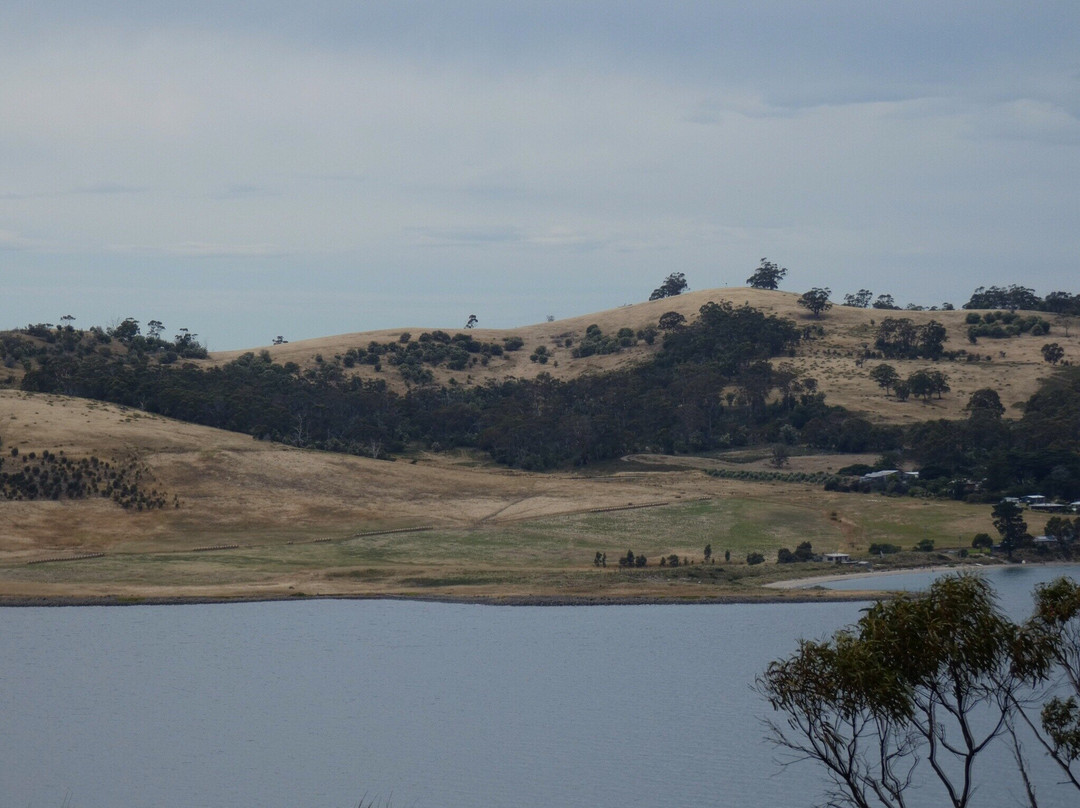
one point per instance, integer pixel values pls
(595, 145)
(13, 241)
(195, 249)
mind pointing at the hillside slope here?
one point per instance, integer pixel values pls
(233, 488)
(1011, 366)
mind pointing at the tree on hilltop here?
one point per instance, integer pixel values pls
(767, 276)
(674, 284)
(816, 300)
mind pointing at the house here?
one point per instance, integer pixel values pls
(881, 477)
(1033, 499)
(838, 558)
(1049, 507)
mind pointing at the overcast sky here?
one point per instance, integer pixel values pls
(308, 169)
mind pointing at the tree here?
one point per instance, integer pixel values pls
(924, 677)
(1049, 650)
(670, 321)
(860, 300)
(780, 455)
(816, 300)
(154, 329)
(708, 553)
(674, 284)
(885, 376)
(926, 383)
(472, 321)
(1053, 353)
(982, 541)
(767, 276)
(126, 331)
(885, 302)
(932, 339)
(985, 402)
(1009, 522)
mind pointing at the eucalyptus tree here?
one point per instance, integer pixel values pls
(912, 695)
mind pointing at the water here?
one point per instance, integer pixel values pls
(455, 706)
(1014, 583)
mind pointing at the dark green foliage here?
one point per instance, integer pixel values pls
(885, 376)
(856, 469)
(58, 477)
(883, 548)
(1053, 353)
(925, 384)
(1063, 531)
(926, 677)
(899, 338)
(767, 276)
(804, 552)
(755, 558)
(982, 541)
(594, 342)
(1002, 325)
(1009, 522)
(1047, 650)
(674, 284)
(860, 299)
(998, 297)
(816, 300)
(670, 320)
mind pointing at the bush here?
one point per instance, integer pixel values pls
(925, 546)
(883, 548)
(982, 541)
(755, 558)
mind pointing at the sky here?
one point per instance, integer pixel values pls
(253, 169)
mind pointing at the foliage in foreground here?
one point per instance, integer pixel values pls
(921, 687)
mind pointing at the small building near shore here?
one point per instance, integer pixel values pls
(838, 558)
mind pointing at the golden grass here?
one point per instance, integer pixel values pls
(1011, 366)
(293, 521)
(495, 532)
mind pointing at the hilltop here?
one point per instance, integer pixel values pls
(835, 358)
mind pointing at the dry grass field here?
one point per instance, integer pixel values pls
(262, 520)
(257, 519)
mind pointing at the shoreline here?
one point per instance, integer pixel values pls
(814, 596)
(815, 580)
(808, 589)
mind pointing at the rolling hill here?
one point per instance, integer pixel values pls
(252, 518)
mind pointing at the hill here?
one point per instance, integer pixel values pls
(836, 358)
(111, 500)
(257, 519)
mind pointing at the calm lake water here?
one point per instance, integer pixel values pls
(318, 703)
